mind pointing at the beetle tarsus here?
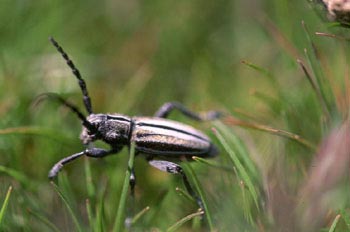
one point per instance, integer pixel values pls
(168, 107)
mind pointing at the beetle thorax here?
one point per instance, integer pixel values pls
(113, 129)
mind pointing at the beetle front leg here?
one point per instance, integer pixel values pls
(174, 168)
(91, 152)
(165, 110)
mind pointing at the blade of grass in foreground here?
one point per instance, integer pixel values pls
(185, 195)
(346, 218)
(70, 210)
(194, 180)
(45, 221)
(88, 177)
(240, 148)
(99, 221)
(122, 202)
(212, 164)
(183, 220)
(139, 215)
(334, 223)
(241, 170)
(4, 205)
(89, 213)
(16, 175)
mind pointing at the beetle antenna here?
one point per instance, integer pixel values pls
(69, 105)
(86, 98)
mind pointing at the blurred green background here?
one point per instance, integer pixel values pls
(137, 55)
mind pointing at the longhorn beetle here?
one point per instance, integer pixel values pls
(158, 138)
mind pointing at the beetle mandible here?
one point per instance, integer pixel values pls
(158, 138)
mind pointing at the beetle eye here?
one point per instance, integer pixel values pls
(91, 132)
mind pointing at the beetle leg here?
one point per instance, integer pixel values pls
(99, 152)
(174, 168)
(91, 152)
(131, 210)
(58, 166)
(165, 110)
(132, 182)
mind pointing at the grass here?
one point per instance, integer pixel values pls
(280, 75)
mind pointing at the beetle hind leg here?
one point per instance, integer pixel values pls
(174, 168)
(165, 110)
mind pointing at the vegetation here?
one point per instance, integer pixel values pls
(276, 67)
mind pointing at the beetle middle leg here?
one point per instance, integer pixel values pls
(174, 168)
(165, 110)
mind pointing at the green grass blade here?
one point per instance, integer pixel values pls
(16, 175)
(194, 180)
(240, 148)
(334, 223)
(185, 194)
(346, 218)
(99, 221)
(70, 210)
(314, 87)
(119, 220)
(34, 130)
(212, 164)
(140, 214)
(4, 205)
(44, 221)
(183, 220)
(257, 68)
(89, 184)
(31, 130)
(241, 170)
(322, 82)
(89, 213)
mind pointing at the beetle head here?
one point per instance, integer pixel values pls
(106, 127)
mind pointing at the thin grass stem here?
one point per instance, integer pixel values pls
(70, 209)
(123, 197)
(179, 223)
(4, 205)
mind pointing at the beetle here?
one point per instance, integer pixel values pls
(158, 138)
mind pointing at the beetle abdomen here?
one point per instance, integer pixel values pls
(160, 136)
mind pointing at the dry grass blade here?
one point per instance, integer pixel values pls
(280, 38)
(330, 35)
(231, 121)
(334, 224)
(315, 87)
